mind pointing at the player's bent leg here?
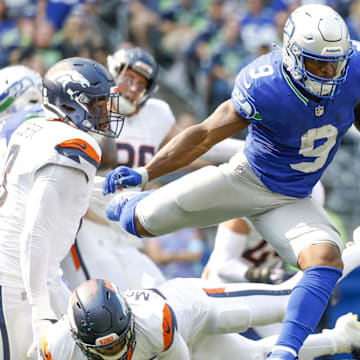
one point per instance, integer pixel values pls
(291, 229)
(268, 330)
(320, 254)
(236, 307)
(344, 338)
(221, 193)
(350, 258)
(314, 290)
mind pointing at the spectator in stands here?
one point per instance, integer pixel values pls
(180, 24)
(144, 17)
(45, 44)
(200, 49)
(10, 34)
(257, 25)
(81, 36)
(224, 64)
(353, 20)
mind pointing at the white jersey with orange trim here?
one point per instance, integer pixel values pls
(156, 328)
(178, 320)
(171, 319)
(35, 144)
(144, 132)
(46, 186)
(142, 135)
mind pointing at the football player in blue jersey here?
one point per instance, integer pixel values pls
(297, 104)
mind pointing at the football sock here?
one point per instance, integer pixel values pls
(307, 303)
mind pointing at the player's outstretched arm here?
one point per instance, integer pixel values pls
(196, 140)
(182, 149)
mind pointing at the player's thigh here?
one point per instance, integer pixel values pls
(205, 197)
(268, 330)
(16, 329)
(229, 346)
(293, 227)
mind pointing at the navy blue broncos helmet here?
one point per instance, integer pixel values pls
(82, 91)
(101, 322)
(140, 61)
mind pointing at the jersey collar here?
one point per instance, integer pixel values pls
(296, 91)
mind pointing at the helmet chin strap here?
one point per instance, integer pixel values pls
(126, 107)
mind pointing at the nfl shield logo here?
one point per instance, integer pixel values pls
(319, 110)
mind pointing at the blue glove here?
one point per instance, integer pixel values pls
(124, 177)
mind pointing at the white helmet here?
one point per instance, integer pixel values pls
(19, 86)
(140, 61)
(316, 32)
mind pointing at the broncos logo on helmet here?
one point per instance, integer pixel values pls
(66, 77)
(82, 91)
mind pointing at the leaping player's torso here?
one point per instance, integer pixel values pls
(291, 138)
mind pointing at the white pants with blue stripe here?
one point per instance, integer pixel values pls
(15, 324)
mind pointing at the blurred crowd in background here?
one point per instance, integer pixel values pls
(200, 46)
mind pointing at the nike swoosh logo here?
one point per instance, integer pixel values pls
(247, 85)
(168, 327)
(83, 146)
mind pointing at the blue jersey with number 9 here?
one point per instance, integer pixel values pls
(292, 139)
